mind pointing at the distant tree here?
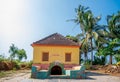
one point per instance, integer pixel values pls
(17, 53)
(13, 51)
(21, 54)
(2, 57)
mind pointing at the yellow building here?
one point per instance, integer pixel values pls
(55, 48)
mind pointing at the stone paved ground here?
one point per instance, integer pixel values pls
(91, 77)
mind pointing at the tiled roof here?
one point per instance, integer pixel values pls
(56, 39)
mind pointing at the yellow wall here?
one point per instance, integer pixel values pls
(55, 53)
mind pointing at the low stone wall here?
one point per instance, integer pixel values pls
(76, 73)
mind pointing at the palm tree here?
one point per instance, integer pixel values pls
(90, 28)
(113, 24)
(113, 35)
(112, 49)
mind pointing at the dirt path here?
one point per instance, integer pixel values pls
(16, 77)
(91, 77)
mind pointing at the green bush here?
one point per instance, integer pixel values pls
(16, 64)
(30, 64)
(87, 64)
(25, 65)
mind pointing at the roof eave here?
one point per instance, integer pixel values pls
(54, 45)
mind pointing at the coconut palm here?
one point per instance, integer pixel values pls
(112, 49)
(113, 27)
(91, 30)
(113, 24)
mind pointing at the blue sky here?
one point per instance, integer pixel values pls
(24, 21)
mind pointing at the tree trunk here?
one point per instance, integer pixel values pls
(80, 59)
(91, 51)
(110, 59)
(86, 58)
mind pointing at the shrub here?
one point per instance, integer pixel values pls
(5, 65)
(30, 64)
(87, 64)
(16, 64)
(25, 65)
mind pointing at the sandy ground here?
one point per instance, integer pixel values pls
(91, 77)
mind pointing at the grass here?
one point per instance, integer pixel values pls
(13, 72)
(2, 74)
(6, 73)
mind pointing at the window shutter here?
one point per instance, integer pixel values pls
(68, 57)
(45, 56)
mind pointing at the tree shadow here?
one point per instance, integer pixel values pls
(89, 74)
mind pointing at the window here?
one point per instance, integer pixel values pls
(45, 56)
(68, 57)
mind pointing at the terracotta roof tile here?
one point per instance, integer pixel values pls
(56, 39)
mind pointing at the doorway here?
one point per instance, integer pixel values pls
(56, 70)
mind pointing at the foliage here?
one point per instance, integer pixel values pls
(113, 27)
(5, 65)
(30, 64)
(87, 64)
(113, 22)
(74, 38)
(17, 53)
(21, 54)
(97, 36)
(2, 58)
(16, 64)
(92, 32)
(13, 51)
(117, 57)
(118, 63)
(99, 60)
(112, 49)
(14, 61)
(25, 65)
